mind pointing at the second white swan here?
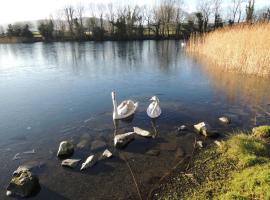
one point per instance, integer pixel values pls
(154, 109)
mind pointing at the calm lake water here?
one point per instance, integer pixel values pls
(62, 91)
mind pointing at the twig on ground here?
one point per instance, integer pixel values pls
(133, 176)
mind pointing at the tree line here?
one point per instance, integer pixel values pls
(168, 19)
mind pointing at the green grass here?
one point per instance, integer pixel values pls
(238, 170)
(246, 150)
(261, 132)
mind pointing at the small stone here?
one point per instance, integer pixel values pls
(153, 152)
(89, 162)
(106, 154)
(72, 163)
(23, 183)
(16, 156)
(200, 144)
(204, 129)
(9, 193)
(30, 152)
(122, 140)
(182, 128)
(218, 143)
(66, 149)
(142, 132)
(224, 120)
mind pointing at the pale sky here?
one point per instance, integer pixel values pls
(26, 10)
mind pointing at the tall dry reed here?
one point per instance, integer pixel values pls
(242, 48)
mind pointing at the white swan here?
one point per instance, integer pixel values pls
(154, 109)
(125, 109)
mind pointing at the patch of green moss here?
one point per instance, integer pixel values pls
(261, 131)
(246, 150)
(238, 170)
(251, 183)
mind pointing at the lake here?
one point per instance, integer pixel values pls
(50, 92)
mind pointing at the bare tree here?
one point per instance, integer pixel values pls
(204, 7)
(111, 17)
(217, 11)
(250, 10)
(69, 14)
(235, 10)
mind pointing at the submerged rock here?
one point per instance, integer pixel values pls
(179, 152)
(98, 144)
(16, 156)
(204, 129)
(153, 152)
(30, 152)
(225, 120)
(72, 163)
(105, 154)
(142, 132)
(89, 162)
(200, 143)
(122, 140)
(23, 183)
(182, 128)
(66, 149)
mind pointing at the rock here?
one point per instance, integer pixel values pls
(182, 128)
(218, 143)
(16, 156)
(224, 120)
(122, 140)
(72, 163)
(66, 149)
(204, 129)
(142, 132)
(85, 141)
(153, 152)
(98, 144)
(30, 152)
(105, 154)
(200, 143)
(23, 183)
(89, 162)
(9, 193)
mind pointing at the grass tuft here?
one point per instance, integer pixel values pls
(246, 150)
(261, 132)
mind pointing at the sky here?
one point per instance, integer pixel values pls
(27, 10)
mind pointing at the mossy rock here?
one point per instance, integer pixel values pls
(23, 183)
(261, 132)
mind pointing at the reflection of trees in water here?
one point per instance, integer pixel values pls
(85, 56)
(250, 90)
(166, 53)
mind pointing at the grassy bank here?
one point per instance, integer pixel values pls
(238, 169)
(242, 48)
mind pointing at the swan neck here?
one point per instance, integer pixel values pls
(115, 107)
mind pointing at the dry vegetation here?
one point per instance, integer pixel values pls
(242, 48)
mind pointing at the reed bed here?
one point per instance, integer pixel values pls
(243, 48)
